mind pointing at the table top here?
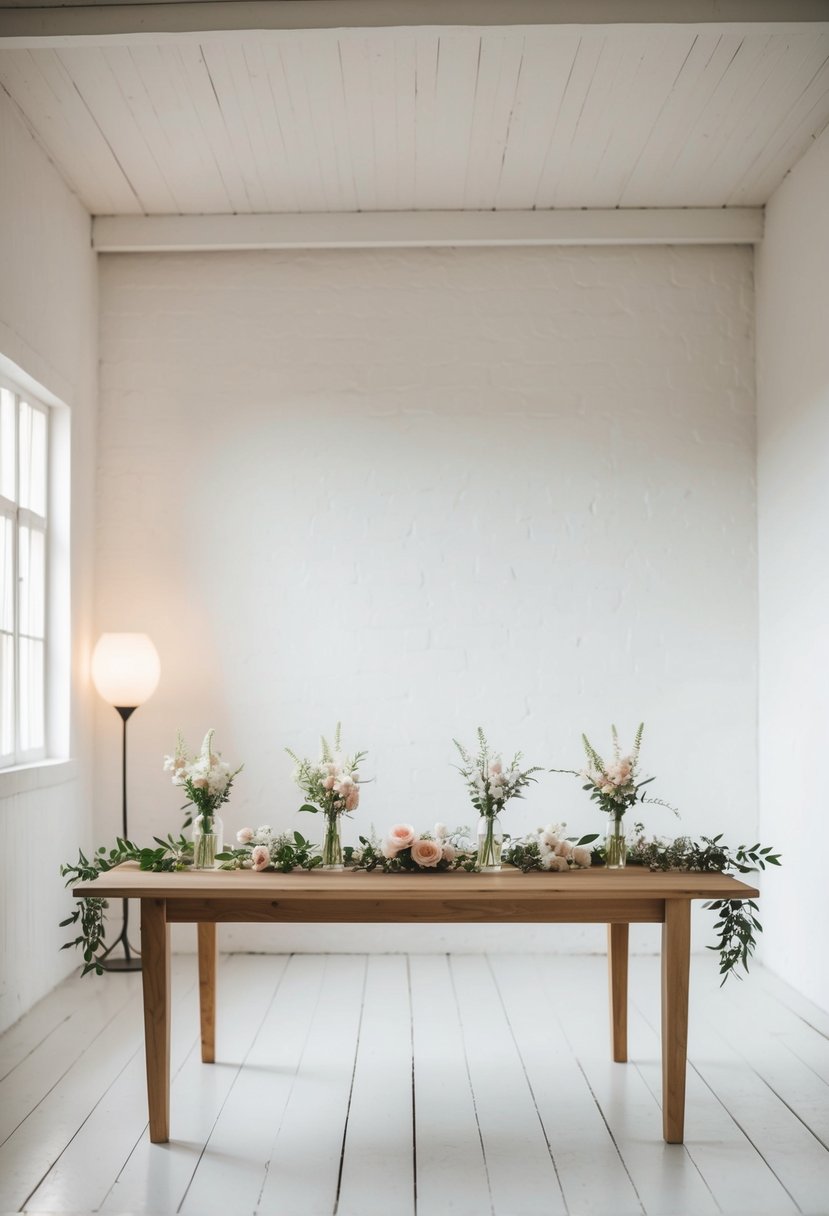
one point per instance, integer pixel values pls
(127, 881)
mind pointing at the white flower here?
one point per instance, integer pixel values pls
(449, 852)
(441, 831)
(244, 835)
(582, 856)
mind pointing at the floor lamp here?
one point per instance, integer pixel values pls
(125, 671)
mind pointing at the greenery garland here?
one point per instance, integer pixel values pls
(736, 926)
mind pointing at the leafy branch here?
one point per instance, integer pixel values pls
(90, 911)
(737, 925)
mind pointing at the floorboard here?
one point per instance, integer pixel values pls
(428, 1085)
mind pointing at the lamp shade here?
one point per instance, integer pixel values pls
(125, 668)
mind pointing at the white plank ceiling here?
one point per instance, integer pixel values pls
(507, 118)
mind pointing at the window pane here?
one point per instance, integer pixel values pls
(31, 579)
(32, 458)
(6, 695)
(7, 443)
(6, 574)
(31, 694)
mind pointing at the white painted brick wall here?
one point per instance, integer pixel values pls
(422, 490)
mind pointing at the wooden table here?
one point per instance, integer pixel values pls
(617, 898)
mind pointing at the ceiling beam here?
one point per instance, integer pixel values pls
(33, 24)
(389, 229)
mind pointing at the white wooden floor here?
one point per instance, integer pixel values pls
(427, 1084)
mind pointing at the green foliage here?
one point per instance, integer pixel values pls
(737, 925)
(90, 913)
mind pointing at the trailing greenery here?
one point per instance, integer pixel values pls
(737, 925)
(90, 913)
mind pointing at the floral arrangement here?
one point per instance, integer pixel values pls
(331, 785)
(491, 786)
(404, 849)
(206, 778)
(263, 849)
(550, 849)
(615, 786)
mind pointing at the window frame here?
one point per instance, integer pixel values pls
(25, 517)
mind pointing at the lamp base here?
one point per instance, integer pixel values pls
(122, 964)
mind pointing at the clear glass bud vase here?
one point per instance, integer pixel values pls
(208, 840)
(332, 845)
(615, 845)
(490, 840)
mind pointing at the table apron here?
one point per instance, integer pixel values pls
(567, 909)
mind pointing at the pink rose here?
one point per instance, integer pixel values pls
(352, 799)
(245, 835)
(329, 783)
(563, 848)
(449, 852)
(582, 856)
(427, 852)
(389, 850)
(260, 857)
(401, 835)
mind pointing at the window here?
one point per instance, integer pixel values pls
(24, 478)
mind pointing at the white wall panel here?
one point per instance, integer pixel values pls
(420, 490)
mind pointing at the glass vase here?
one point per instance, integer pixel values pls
(208, 840)
(490, 840)
(332, 845)
(615, 845)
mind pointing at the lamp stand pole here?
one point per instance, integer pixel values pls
(131, 960)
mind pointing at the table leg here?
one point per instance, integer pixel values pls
(155, 957)
(207, 989)
(676, 960)
(617, 967)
